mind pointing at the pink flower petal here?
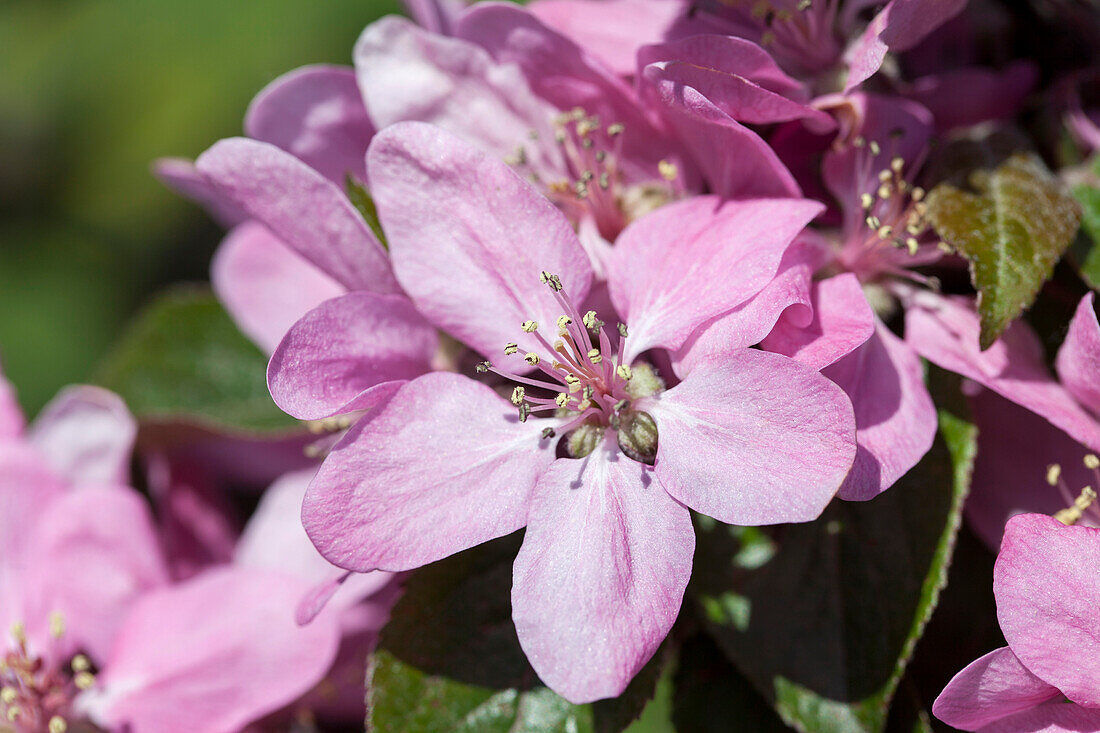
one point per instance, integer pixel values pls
(302, 207)
(1051, 717)
(265, 285)
(409, 74)
(759, 440)
(86, 434)
(601, 574)
(1079, 358)
(444, 466)
(92, 555)
(945, 331)
(181, 176)
(895, 418)
(733, 159)
(898, 27)
(988, 689)
(211, 654)
(344, 354)
(316, 114)
(685, 263)
(787, 295)
(469, 237)
(1047, 594)
(612, 30)
(842, 321)
(970, 96)
(437, 16)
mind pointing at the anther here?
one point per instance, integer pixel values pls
(530, 326)
(57, 625)
(531, 358)
(594, 356)
(84, 680)
(1092, 462)
(804, 4)
(622, 404)
(884, 175)
(873, 222)
(548, 433)
(553, 281)
(859, 141)
(563, 324)
(1054, 472)
(605, 181)
(624, 371)
(19, 632)
(866, 201)
(885, 232)
(875, 148)
(917, 194)
(1070, 515)
(562, 399)
(8, 695)
(615, 129)
(483, 367)
(591, 322)
(13, 713)
(667, 169)
(80, 663)
(58, 725)
(524, 411)
(510, 348)
(885, 191)
(912, 245)
(519, 394)
(622, 330)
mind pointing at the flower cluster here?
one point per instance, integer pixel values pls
(603, 272)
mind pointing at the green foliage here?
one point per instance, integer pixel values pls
(364, 204)
(1012, 230)
(826, 624)
(1089, 198)
(183, 359)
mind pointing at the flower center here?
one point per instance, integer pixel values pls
(584, 378)
(35, 692)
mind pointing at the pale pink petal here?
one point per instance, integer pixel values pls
(181, 176)
(1015, 446)
(1051, 717)
(409, 74)
(444, 466)
(316, 114)
(866, 55)
(345, 354)
(988, 689)
(211, 654)
(1047, 594)
(945, 331)
(685, 263)
(265, 285)
(11, 414)
(895, 418)
(93, 554)
(1078, 361)
(787, 295)
(302, 207)
(87, 435)
(842, 321)
(759, 440)
(612, 30)
(734, 160)
(469, 237)
(601, 574)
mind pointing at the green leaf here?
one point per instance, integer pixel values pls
(1089, 198)
(183, 359)
(823, 617)
(1013, 231)
(364, 204)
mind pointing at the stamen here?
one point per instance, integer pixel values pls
(519, 394)
(1092, 462)
(1071, 515)
(531, 358)
(530, 326)
(511, 348)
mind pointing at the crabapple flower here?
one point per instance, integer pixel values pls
(1045, 679)
(447, 463)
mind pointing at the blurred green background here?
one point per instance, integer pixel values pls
(91, 91)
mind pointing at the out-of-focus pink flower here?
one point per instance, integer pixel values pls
(445, 463)
(1047, 593)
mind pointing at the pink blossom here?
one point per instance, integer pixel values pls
(445, 463)
(1046, 590)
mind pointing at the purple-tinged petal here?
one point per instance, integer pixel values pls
(613, 30)
(302, 207)
(1078, 362)
(895, 418)
(966, 97)
(759, 440)
(733, 159)
(842, 321)
(211, 654)
(866, 55)
(1047, 594)
(1050, 717)
(736, 76)
(787, 295)
(265, 285)
(685, 263)
(86, 434)
(437, 16)
(601, 574)
(181, 176)
(444, 466)
(469, 238)
(346, 353)
(567, 76)
(988, 689)
(316, 114)
(1015, 446)
(945, 331)
(92, 554)
(409, 74)
(11, 414)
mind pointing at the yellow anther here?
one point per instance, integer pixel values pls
(13, 713)
(583, 405)
(1070, 515)
(519, 394)
(767, 38)
(8, 695)
(58, 724)
(548, 278)
(84, 680)
(804, 4)
(591, 322)
(885, 191)
(885, 232)
(531, 358)
(859, 141)
(624, 371)
(866, 200)
(574, 382)
(1054, 472)
(667, 169)
(1092, 462)
(19, 632)
(873, 222)
(884, 175)
(510, 348)
(562, 399)
(563, 324)
(615, 129)
(57, 625)
(896, 164)
(874, 146)
(917, 194)
(595, 356)
(80, 663)
(530, 326)
(912, 245)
